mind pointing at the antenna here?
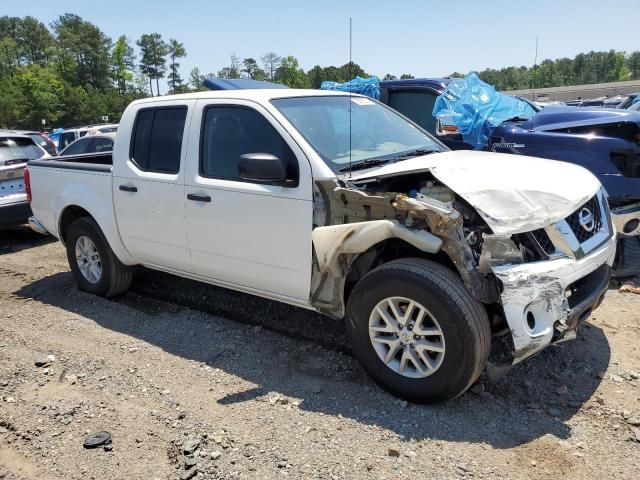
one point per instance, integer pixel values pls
(533, 83)
(533, 77)
(350, 86)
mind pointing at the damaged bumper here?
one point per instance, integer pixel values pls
(544, 301)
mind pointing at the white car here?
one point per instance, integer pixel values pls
(338, 204)
(15, 151)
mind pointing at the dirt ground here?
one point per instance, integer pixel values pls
(193, 381)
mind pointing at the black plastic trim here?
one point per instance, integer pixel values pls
(90, 167)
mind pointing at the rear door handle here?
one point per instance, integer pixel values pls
(198, 198)
(127, 188)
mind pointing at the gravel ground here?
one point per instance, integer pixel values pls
(194, 381)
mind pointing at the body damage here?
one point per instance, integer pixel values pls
(354, 219)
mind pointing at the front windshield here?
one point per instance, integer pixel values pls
(378, 134)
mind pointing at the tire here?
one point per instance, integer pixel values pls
(464, 329)
(115, 277)
(627, 261)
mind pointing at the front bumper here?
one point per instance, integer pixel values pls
(545, 300)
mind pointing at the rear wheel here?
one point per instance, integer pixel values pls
(416, 330)
(94, 266)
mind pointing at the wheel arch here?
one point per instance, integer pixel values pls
(345, 253)
(103, 218)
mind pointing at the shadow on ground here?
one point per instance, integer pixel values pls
(20, 238)
(520, 407)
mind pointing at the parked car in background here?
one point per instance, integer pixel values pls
(635, 107)
(106, 128)
(593, 102)
(605, 141)
(631, 100)
(41, 139)
(15, 151)
(422, 251)
(90, 144)
(65, 137)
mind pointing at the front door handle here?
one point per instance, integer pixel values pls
(127, 188)
(198, 198)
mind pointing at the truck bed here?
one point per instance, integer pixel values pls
(101, 162)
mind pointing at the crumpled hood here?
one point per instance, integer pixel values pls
(513, 194)
(555, 118)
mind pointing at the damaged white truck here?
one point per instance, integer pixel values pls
(338, 204)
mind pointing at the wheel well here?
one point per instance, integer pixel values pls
(386, 251)
(70, 215)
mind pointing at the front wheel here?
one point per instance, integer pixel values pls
(416, 330)
(93, 264)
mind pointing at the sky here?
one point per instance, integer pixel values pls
(424, 38)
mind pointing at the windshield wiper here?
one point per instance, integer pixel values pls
(413, 153)
(364, 164)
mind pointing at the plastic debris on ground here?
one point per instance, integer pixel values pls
(476, 108)
(361, 86)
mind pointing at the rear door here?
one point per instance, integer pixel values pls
(248, 235)
(148, 186)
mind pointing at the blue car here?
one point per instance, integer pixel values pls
(604, 141)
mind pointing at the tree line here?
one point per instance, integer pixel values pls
(71, 73)
(584, 68)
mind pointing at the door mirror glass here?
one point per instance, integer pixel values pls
(446, 129)
(263, 168)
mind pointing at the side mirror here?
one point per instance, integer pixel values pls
(447, 130)
(263, 168)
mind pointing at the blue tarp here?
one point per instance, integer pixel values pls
(362, 86)
(476, 108)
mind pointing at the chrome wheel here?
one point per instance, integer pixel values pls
(406, 337)
(88, 259)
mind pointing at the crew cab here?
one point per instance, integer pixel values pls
(338, 204)
(604, 141)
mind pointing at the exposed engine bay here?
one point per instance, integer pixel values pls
(364, 222)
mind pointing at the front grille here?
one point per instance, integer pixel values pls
(543, 241)
(592, 225)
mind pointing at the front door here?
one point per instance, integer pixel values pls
(256, 236)
(148, 188)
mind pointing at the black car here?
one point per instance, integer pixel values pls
(90, 144)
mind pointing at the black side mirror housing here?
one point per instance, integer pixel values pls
(263, 168)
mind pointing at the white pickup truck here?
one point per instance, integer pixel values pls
(338, 204)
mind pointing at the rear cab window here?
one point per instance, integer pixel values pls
(156, 144)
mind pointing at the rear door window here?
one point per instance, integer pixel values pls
(101, 145)
(77, 148)
(417, 105)
(157, 140)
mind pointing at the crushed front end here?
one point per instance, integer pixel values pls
(545, 301)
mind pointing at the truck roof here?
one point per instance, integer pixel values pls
(251, 94)
(437, 83)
